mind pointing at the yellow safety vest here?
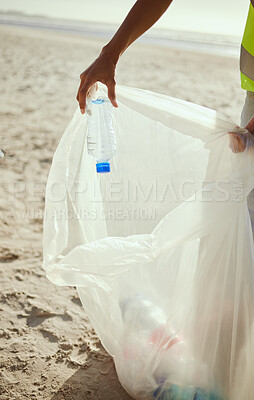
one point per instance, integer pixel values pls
(247, 52)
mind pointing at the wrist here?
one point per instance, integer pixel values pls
(109, 51)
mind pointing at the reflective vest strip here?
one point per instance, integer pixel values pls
(247, 63)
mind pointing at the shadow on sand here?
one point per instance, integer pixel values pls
(97, 380)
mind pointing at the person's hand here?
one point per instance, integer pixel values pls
(239, 136)
(238, 139)
(102, 70)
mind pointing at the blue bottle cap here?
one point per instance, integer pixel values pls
(175, 392)
(98, 101)
(102, 167)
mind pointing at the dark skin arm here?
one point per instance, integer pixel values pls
(141, 17)
(250, 125)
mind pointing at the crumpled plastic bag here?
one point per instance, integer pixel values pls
(160, 249)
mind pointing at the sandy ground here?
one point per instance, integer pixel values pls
(48, 347)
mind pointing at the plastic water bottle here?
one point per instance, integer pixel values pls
(148, 321)
(147, 327)
(101, 140)
(142, 316)
(176, 392)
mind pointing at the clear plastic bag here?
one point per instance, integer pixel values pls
(160, 249)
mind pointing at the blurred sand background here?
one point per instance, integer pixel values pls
(48, 349)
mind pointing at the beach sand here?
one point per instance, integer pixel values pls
(48, 347)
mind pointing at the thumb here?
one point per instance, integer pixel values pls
(112, 94)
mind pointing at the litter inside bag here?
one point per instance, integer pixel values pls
(160, 249)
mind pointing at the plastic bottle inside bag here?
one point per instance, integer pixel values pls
(147, 326)
(101, 139)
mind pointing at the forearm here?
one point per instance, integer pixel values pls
(141, 17)
(250, 125)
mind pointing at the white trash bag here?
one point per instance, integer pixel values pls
(160, 249)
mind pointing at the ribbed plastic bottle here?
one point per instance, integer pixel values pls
(147, 322)
(101, 139)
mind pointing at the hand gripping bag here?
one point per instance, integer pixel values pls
(160, 249)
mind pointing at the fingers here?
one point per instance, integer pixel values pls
(82, 95)
(111, 93)
(87, 88)
(233, 143)
(237, 142)
(80, 85)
